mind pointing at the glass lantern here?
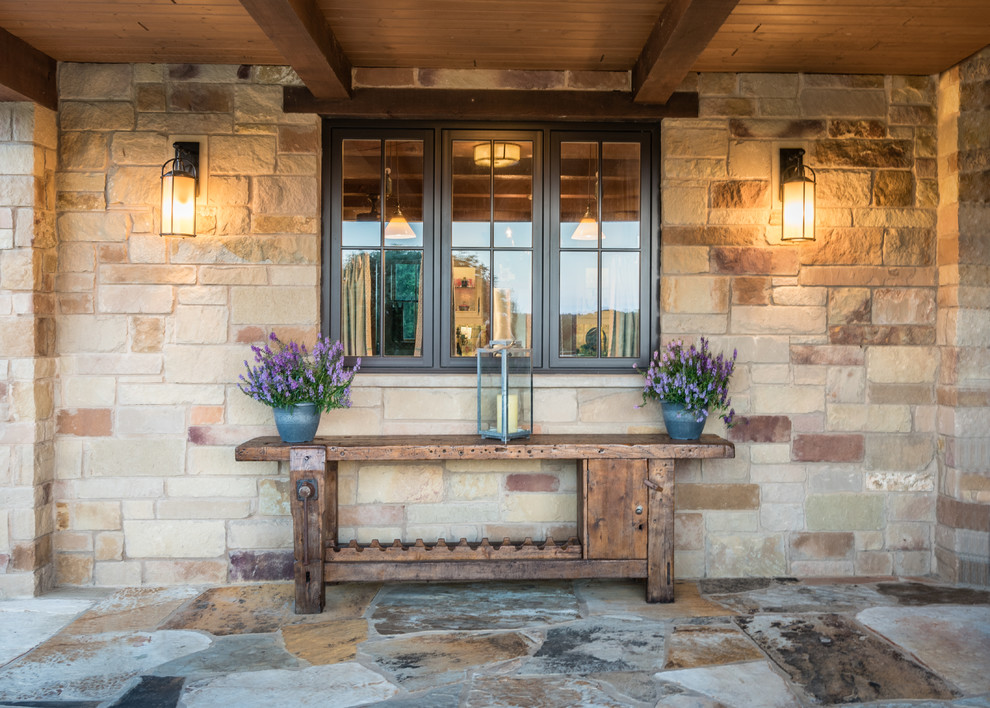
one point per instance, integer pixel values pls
(505, 391)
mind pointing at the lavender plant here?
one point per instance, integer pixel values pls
(286, 373)
(693, 377)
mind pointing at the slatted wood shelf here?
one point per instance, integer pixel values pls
(463, 551)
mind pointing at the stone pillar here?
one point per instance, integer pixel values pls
(28, 138)
(963, 511)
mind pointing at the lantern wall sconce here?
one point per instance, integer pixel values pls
(797, 194)
(180, 185)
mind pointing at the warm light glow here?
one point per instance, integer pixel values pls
(178, 204)
(797, 194)
(799, 211)
(398, 228)
(506, 154)
(587, 228)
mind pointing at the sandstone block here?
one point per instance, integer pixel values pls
(147, 274)
(543, 508)
(843, 102)
(748, 159)
(717, 496)
(684, 259)
(84, 422)
(150, 420)
(112, 488)
(711, 107)
(443, 515)
(200, 324)
(174, 539)
(902, 365)
(96, 115)
(695, 168)
(900, 481)
(679, 141)
(288, 305)
(202, 486)
(822, 546)
(143, 299)
(740, 194)
(828, 448)
(908, 536)
(437, 404)
(86, 333)
(242, 154)
(270, 533)
(846, 384)
(139, 149)
(257, 103)
(746, 556)
(117, 573)
(73, 569)
(774, 319)
(470, 486)
(273, 497)
(893, 188)
(869, 418)
(844, 512)
(845, 128)
(94, 81)
(220, 461)
(185, 572)
(95, 516)
(748, 290)
(111, 457)
(779, 400)
(147, 334)
(400, 483)
(864, 153)
(775, 128)
(291, 195)
(903, 306)
(200, 98)
(753, 261)
(694, 294)
(761, 428)
(685, 205)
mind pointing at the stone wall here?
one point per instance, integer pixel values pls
(836, 461)
(835, 458)
(28, 138)
(963, 513)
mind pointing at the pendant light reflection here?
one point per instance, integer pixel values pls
(179, 177)
(797, 194)
(503, 155)
(587, 228)
(397, 228)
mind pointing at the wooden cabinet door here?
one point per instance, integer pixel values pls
(614, 490)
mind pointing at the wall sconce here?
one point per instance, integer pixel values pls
(504, 154)
(797, 193)
(179, 187)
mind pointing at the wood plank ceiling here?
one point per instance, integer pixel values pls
(659, 41)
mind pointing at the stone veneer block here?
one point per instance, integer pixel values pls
(844, 512)
(828, 448)
(174, 539)
(761, 429)
(717, 496)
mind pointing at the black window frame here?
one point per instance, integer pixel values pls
(437, 136)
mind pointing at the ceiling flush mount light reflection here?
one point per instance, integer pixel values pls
(179, 186)
(797, 194)
(503, 154)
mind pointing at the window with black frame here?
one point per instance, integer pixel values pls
(440, 240)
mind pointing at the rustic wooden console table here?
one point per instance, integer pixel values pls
(625, 511)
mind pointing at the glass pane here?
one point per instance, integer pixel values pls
(513, 194)
(620, 304)
(404, 193)
(361, 193)
(469, 307)
(403, 303)
(471, 202)
(512, 297)
(359, 302)
(620, 195)
(579, 334)
(578, 195)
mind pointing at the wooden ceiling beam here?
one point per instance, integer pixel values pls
(25, 73)
(677, 40)
(300, 32)
(491, 104)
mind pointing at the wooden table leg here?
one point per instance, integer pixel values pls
(660, 537)
(314, 506)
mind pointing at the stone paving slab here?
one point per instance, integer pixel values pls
(133, 609)
(692, 646)
(326, 643)
(917, 594)
(737, 685)
(793, 599)
(624, 597)
(337, 685)
(24, 624)
(401, 609)
(953, 641)
(546, 692)
(93, 667)
(837, 660)
(600, 645)
(232, 654)
(422, 660)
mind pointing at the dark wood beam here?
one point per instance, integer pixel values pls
(464, 104)
(302, 36)
(680, 35)
(25, 73)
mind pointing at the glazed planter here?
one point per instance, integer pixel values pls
(681, 424)
(298, 422)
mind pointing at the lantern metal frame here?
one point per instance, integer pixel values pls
(184, 165)
(514, 372)
(793, 170)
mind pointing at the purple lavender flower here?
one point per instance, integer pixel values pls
(692, 377)
(288, 374)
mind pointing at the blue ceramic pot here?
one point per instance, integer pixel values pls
(298, 422)
(681, 424)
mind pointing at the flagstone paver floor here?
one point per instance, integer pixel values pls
(885, 642)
